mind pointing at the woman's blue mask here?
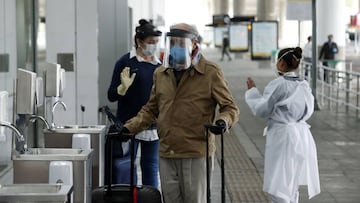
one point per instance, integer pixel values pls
(177, 55)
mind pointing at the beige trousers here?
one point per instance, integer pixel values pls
(183, 180)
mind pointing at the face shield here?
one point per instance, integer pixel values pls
(178, 50)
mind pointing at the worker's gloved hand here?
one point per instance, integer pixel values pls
(219, 127)
(126, 81)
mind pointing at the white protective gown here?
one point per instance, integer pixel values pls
(290, 153)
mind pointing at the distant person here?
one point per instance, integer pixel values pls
(225, 48)
(290, 153)
(307, 55)
(327, 52)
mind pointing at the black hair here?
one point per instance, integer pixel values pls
(144, 30)
(291, 56)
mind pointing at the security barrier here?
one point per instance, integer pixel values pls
(338, 87)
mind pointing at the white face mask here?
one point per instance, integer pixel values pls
(150, 49)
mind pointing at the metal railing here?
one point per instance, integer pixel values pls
(338, 87)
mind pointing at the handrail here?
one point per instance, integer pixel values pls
(337, 85)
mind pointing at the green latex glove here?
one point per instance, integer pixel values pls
(126, 81)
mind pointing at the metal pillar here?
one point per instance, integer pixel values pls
(239, 7)
(267, 10)
(221, 7)
(314, 55)
(330, 21)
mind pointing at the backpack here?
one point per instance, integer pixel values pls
(334, 48)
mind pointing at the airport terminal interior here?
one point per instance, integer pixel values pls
(57, 58)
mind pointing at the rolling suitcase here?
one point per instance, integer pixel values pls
(120, 152)
(222, 168)
(123, 193)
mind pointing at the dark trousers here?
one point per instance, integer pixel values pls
(307, 67)
(149, 161)
(225, 51)
(326, 72)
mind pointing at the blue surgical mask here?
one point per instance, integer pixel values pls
(178, 55)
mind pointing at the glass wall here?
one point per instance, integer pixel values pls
(19, 22)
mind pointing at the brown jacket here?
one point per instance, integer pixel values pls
(181, 111)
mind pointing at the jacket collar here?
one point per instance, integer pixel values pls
(290, 74)
(200, 66)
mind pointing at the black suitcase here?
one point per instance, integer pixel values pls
(222, 168)
(115, 126)
(123, 193)
(120, 159)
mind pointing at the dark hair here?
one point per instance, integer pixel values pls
(144, 30)
(291, 56)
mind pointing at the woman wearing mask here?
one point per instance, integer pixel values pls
(130, 86)
(290, 153)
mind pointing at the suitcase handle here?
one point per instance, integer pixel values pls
(120, 136)
(108, 161)
(112, 118)
(208, 128)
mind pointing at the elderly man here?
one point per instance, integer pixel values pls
(187, 89)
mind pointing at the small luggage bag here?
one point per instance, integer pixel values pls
(208, 127)
(120, 152)
(122, 193)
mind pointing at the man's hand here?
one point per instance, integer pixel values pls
(122, 134)
(219, 128)
(124, 130)
(126, 81)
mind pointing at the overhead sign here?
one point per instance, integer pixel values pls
(221, 19)
(208, 36)
(219, 34)
(239, 37)
(264, 39)
(299, 10)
